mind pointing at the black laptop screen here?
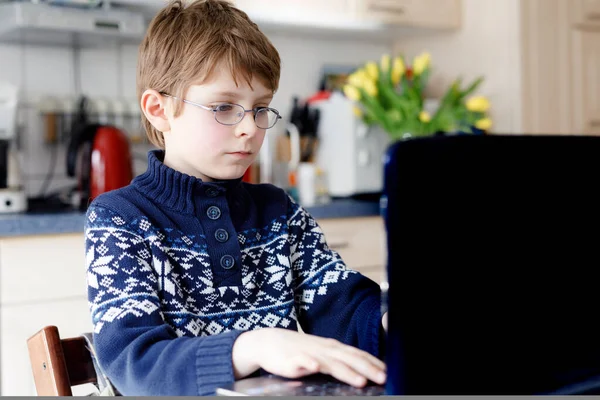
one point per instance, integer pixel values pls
(493, 258)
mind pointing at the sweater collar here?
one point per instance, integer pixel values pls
(175, 189)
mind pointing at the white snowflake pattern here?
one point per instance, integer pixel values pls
(144, 225)
(188, 299)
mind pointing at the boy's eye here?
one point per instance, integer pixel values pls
(224, 107)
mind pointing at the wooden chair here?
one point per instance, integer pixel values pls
(58, 364)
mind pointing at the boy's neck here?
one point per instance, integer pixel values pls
(177, 190)
(184, 169)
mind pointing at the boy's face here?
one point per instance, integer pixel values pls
(200, 146)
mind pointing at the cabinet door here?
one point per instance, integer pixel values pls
(291, 10)
(360, 242)
(37, 268)
(424, 13)
(546, 67)
(587, 12)
(19, 322)
(586, 81)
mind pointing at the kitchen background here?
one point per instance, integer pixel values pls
(486, 44)
(540, 60)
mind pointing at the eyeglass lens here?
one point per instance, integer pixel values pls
(231, 114)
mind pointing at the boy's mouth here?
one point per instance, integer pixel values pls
(240, 153)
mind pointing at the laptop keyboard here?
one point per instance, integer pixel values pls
(336, 389)
(317, 385)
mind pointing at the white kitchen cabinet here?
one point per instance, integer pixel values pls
(363, 19)
(586, 81)
(435, 14)
(40, 268)
(560, 66)
(586, 13)
(19, 322)
(335, 19)
(361, 242)
(291, 9)
(439, 14)
(42, 282)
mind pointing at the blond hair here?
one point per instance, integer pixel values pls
(184, 43)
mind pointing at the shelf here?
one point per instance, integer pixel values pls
(42, 24)
(126, 21)
(49, 37)
(337, 29)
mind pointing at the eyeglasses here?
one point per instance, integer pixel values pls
(232, 114)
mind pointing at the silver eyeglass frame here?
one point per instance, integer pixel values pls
(214, 110)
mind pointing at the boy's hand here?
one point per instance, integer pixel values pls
(292, 355)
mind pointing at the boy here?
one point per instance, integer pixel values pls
(195, 278)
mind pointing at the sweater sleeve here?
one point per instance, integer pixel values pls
(140, 353)
(331, 299)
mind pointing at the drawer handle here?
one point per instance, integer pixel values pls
(595, 123)
(339, 245)
(594, 16)
(386, 9)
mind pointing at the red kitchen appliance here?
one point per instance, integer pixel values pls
(99, 157)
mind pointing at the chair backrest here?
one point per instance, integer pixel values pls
(58, 364)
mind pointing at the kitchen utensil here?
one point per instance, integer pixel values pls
(99, 156)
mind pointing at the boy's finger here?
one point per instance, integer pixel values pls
(362, 365)
(372, 359)
(306, 364)
(341, 371)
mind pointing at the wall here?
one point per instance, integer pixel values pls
(488, 44)
(110, 73)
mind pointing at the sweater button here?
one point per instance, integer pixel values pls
(213, 212)
(227, 261)
(212, 192)
(221, 235)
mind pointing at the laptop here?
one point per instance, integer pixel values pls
(492, 249)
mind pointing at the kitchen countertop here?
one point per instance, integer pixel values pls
(72, 221)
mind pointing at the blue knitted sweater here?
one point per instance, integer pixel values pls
(178, 268)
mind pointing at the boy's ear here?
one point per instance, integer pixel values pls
(154, 108)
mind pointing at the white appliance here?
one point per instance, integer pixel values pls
(52, 24)
(12, 193)
(350, 152)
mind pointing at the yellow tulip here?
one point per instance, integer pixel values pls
(478, 104)
(385, 63)
(372, 70)
(357, 78)
(421, 63)
(370, 87)
(357, 111)
(484, 124)
(398, 70)
(351, 92)
(424, 117)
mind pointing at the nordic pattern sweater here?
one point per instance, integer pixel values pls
(178, 268)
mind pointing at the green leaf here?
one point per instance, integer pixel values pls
(374, 108)
(472, 87)
(396, 102)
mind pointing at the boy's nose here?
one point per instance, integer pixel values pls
(247, 126)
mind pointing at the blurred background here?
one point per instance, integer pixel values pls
(68, 65)
(539, 60)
